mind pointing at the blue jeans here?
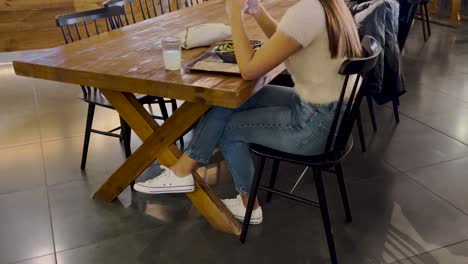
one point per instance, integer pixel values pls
(275, 117)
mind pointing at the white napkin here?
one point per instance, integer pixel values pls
(204, 35)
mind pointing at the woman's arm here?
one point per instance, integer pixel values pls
(266, 22)
(252, 64)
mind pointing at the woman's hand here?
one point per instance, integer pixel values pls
(249, 7)
(252, 7)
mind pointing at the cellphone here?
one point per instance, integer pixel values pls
(247, 6)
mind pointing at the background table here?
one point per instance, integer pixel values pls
(128, 61)
(454, 19)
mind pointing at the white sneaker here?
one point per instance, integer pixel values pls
(237, 208)
(166, 182)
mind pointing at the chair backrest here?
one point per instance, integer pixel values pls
(74, 25)
(127, 5)
(145, 9)
(154, 8)
(188, 3)
(343, 121)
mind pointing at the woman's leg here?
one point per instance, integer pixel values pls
(294, 129)
(209, 130)
(206, 136)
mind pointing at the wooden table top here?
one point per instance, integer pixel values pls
(130, 59)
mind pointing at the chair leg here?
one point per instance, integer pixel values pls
(182, 144)
(150, 109)
(421, 11)
(173, 105)
(162, 106)
(127, 133)
(299, 180)
(325, 216)
(428, 22)
(261, 165)
(89, 124)
(370, 105)
(252, 197)
(127, 137)
(396, 103)
(362, 139)
(174, 108)
(344, 193)
(274, 173)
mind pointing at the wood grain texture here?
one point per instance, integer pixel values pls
(30, 24)
(130, 60)
(455, 12)
(158, 144)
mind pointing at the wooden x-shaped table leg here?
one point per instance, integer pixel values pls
(158, 144)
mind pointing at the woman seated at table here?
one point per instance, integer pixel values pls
(314, 37)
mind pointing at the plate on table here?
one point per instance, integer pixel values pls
(225, 50)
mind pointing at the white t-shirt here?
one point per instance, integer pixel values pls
(314, 72)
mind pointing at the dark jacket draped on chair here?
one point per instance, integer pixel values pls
(379, 19)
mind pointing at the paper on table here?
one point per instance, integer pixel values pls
(204, 35)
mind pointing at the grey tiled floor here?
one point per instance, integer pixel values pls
(408, 192)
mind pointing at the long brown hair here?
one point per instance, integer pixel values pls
(343, 38)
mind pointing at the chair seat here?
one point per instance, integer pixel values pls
(95, 97)
(330, 158)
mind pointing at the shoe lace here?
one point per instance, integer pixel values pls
(232, 200)
(164, 174)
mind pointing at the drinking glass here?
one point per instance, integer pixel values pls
(171, 53)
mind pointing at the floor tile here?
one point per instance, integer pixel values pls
(25, 226)
(19, 129)
(63, 159)
(408, 144)
(62, 114)
(79, 220)
(49, 259)
(21, 168)
(455, 254)
(17, 92)
(70, 120)
(18, 122)
(193, 241)
(438, 110)
(448, 179)
(393, 217)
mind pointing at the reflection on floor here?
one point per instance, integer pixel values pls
(408, 192)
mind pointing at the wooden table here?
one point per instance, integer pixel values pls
(128, 61)
(454, 19)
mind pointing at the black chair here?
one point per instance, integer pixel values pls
(77, 26)
(408, 9)
(426, 25)
(148, 8)
(370, 104)
(127, 5)
(337, 147)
